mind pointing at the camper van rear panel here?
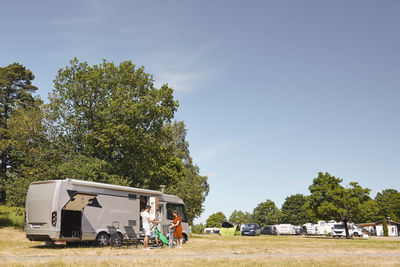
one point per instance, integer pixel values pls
(39, 208)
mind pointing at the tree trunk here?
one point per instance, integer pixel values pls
(346, 228)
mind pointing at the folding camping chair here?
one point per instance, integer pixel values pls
(131, 236)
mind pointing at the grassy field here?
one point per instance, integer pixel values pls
(204, 250)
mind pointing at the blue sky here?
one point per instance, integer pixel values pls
(272, 92)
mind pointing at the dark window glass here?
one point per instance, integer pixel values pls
(181, 211)
(339, 226)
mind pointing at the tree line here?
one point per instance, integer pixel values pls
(328, 200)
(104, 123)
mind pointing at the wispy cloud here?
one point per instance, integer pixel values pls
(183, 70)
(211, 151)
(157, 44)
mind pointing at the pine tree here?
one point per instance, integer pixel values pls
(385, 227)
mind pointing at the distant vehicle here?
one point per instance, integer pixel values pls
(339, 230)
(251, 229)
(268, 230)
(311, 229)
(286, 229)
(300, 229)
(212, 230)
(324, 228)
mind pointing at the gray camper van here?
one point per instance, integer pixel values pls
(80, 211)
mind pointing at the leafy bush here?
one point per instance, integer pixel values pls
(198, 228)
(12, 216)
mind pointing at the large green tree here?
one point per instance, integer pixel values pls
(215, 220)
(241, 217)
(33, 157)
(192, 187)
(329, 200)
(15, 86)
(370, 212)
(295, 210)
(389, 203)
(266, 213)
(115, 114)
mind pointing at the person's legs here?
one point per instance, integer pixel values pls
(146, 237)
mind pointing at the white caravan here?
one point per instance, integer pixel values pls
(80, 211)
(311, 229)
(286, 229)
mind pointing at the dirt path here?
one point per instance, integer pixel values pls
(209, 256)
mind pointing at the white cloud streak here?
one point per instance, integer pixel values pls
(210, 152)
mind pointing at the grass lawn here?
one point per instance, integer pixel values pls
(205, 250)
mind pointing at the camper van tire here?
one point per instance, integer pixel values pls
(102, 239)
(116, 241)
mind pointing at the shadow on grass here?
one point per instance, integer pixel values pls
(5, 221)
(64, 246)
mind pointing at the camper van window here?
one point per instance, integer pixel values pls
(181, 211)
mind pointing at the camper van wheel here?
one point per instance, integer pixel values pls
(101, 240)
(116, 241)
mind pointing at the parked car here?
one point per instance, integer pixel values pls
(269, 230)
(300, 230)
(251, 229)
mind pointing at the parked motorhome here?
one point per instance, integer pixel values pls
(339, 230)
(324, 228)
(80, 211)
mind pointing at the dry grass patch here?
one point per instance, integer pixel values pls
(269, 261)
(203, 250)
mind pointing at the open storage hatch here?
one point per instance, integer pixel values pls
(71, 214)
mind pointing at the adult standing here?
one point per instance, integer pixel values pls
(177, 224)
(146, 225)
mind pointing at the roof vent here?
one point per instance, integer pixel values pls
(162, 187)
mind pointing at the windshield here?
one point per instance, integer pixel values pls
(251, 226)
(338, 226)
